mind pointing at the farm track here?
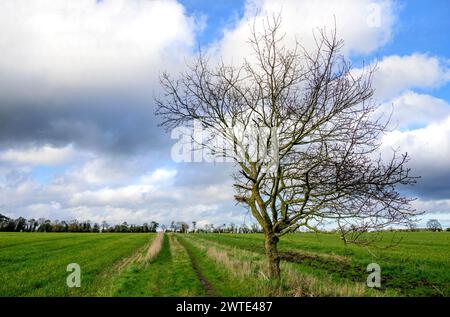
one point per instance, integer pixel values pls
(208, 288)
(163, 269)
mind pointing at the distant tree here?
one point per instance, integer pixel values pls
(412, 226)
(6, 224)
(434, 225)
(124, 227)
(32, 224)
(10, 225)
(64, 226)
(46, 225)
(183, 227)
(255, 228)
(105, 225)
(153, 226)
(21, 224)
(41, 222)
(72, 225)
(96, 227)
(87, 226)
(194, 224)
(211, 227)
(244, 229)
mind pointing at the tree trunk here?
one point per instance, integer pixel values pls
(273, 258)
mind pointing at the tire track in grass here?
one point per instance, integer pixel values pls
(114, 272)
(133, 278)
(182, 258)
(208, 288)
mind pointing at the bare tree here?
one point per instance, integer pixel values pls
(105, 225)
(312, 118)
(434, 225)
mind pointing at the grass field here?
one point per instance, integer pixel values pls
(34, 264)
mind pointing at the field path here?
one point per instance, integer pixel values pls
(209, 289)
(165, 269)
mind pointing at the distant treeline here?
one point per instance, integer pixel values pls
(44, 225)
(184, 227)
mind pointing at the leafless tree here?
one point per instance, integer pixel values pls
(434, 225)
(314, 116)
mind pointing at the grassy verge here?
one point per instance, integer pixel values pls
(418, 266)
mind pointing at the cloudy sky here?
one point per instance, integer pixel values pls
(78, 138)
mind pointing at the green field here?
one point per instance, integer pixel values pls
(34, 264)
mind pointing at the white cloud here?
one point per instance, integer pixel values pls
(45, 155)
(99, 170)
(437, 206)
(396, 74)
(365, 25)
(61, 43)
(159, 177)
(131, 195)
(428, 146)
(44, 210)
(138, 195)
(435, 209)
(153, 196)
(429, 151)
(412, 110)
